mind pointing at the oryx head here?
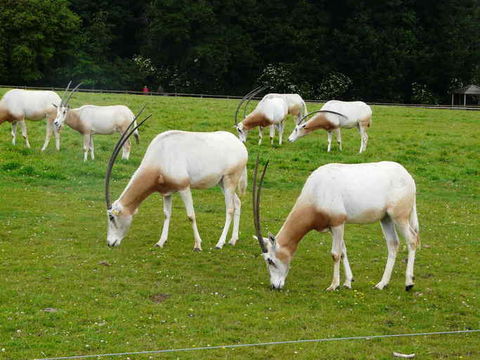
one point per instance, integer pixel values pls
(64, 107)
(302, 129)
(278, 268)
(242, 132)
(118, 218)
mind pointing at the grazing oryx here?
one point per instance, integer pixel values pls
(269, 112)
(336, 194)
(333, 116)
(177, 161)
(18, 105)
(90, 119)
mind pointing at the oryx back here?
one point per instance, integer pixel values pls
(198, 159)
(354, 111)
(31, 104)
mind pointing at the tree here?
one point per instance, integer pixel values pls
(35, 37)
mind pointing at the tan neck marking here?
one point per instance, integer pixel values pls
(72, 119)
(138, 189)
(145, 182)
(301, 220)
(5, 115)
(256, 119)
(319, 121)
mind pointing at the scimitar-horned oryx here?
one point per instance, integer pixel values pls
(338, 194)
(178, 161)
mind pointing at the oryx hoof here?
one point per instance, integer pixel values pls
(332, 288)
(197, 249)
(409, 287)
(380, 286)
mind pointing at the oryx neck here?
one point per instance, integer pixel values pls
(302, 219)
(141, 185)
(319, 121)
(255, 119)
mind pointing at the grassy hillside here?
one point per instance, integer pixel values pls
(136, 297)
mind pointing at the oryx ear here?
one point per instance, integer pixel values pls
(265, 241)
(272, 239)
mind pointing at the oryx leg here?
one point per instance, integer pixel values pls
(186, 196)
(346, 267)
(272, 133)
(338, 135)
(48, 135)
(236, 219)
(260, 135)
(126, 150)
(280, 132)
(24, 133)
(412, 241)
(337, 249)
(391, 238)
(14, 133)
(92, 155)
(330, 135)
(56, 133)
(167, 212)
(86, 146)
(364, 137)
(228, 188)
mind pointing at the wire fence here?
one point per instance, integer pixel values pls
(234, 346)
(226, 97)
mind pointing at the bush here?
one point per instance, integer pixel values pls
(422, 95)
(334, 85)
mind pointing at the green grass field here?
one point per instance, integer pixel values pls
(137, 297)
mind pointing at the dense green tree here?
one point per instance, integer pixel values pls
(35, 37)
(391, 50)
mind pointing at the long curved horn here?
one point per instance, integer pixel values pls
(250, 99)
(115, 153)
(319, 111)
(242, 101)
(65, 92)
(71, 93)
(119, 143)
(256, 204)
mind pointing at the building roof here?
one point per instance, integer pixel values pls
(469, 90)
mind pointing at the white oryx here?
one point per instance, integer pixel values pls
(178, 161)
(268, 112)
(18, 105)
(337, 194)
(333, 116)
(91, 119)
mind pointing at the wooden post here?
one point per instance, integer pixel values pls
(452, 98)
(464, 99)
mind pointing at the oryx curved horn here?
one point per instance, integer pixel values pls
(250, 99)
(243, 100)
(320, 111)
(71, 93)
(126, 134)
(256, 204)
(65, 92)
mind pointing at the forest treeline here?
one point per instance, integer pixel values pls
(389, 50)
